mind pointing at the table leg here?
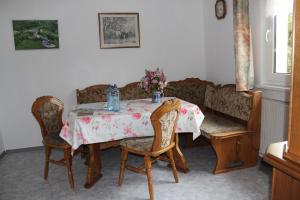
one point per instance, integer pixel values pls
(94, 165)
(180, 162)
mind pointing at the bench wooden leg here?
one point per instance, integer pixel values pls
(233, 153)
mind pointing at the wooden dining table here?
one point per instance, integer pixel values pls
(93, 125)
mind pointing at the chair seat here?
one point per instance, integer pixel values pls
(53, 139)
(138, 144)
(214, 125)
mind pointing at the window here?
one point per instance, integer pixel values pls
(278, 47)
(283, 41)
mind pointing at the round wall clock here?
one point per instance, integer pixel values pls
(220, 9)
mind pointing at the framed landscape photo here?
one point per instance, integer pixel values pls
(119, 30)
(35, 34)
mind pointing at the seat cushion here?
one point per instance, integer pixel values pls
(138, 144)
(55, 140)
(214, 124)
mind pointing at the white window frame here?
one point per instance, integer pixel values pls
(269, 76)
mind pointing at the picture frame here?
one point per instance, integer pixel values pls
(119, 30)
(35, 34)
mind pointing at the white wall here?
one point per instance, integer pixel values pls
(172, 38)
(219, 42)
(1, 143)
(219, 46)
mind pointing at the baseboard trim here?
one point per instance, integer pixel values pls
(24, 149)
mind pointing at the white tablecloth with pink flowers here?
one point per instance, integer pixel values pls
(93, 123)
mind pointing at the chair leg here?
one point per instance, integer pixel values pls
(47, 158)
(172, 163)
(149, 175)
(68, 160)
(124, 156)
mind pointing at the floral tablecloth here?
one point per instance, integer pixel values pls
(93, 123)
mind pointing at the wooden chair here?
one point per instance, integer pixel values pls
(164, 121)
(48, 112)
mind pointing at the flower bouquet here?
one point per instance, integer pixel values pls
(154, 82)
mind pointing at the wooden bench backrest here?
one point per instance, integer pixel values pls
(227, 100)
(132, 91)
(190, 89)
(97, 93)
(92, 94)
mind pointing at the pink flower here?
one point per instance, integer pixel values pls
(130, 110)
(147, 109)
(198, 111)
(86, 119)
(66, 132)
(128, 131)
(136, 115)
(154, 81)
(79, 135)
(183, 111)
(106, 118)
(85, 141)
(178, 129)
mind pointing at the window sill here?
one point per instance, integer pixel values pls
(275, 92)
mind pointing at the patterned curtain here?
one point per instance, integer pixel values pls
(243, 47)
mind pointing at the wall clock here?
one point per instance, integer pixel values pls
(220, 9)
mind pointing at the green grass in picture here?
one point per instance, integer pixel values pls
(36, 34)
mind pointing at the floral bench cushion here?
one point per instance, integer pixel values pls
(228, 101)
(214, 125)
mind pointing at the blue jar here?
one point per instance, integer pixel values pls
(109, 97)
(156, 97)
(115, 95)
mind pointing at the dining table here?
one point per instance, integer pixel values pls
(93, 125)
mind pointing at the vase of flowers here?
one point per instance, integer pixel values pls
(154, 83)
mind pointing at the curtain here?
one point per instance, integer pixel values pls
(242, 45)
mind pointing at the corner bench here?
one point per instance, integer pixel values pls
(231, 124)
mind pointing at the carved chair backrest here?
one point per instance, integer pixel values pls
(164, 120)
(48, 112)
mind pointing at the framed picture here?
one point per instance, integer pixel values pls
(35, 34)
(119, 30)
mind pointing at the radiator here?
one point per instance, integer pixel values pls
(274, 123)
